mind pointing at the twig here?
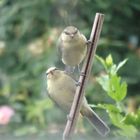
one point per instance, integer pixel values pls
(79, 94)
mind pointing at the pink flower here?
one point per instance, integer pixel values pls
(6, 113)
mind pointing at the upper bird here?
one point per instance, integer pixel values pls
(61, 89)
(73, 47)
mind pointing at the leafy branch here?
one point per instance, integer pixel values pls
(116, 89)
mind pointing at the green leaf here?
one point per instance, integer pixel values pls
(121, 64)
(104, 82)
(112, 70)
(130, 118)
(108, 107)
(117, 90)
(117, 120)
(126, 130)
(133, 118)
(109, 60)
(102, 61)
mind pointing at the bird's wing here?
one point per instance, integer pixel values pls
(87, 43)
(84, 38)
(59, 47)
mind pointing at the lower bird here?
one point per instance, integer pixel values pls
(61, 89)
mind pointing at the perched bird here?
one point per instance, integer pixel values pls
(61, 89)
(72, 46)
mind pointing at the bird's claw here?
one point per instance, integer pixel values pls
(78, 84)
(83, 74)
(88, 42)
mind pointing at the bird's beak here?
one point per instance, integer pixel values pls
(72, 35)
(50, 72)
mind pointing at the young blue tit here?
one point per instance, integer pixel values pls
(72, 46)
(61, 89)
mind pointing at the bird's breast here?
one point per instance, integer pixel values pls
(73, 53)
(62, 92)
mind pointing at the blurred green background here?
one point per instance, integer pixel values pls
(29, 30)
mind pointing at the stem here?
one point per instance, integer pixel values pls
(119, 106)
(86, 69)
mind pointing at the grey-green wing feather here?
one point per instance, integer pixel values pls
(59, 47)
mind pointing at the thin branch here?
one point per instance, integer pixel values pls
(80, 90)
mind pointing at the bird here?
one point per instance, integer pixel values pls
(72, 46)
(61, 89)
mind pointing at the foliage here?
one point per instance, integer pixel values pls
(111, 83)
(116, 89)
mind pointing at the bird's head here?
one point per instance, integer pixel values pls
(70, 33)
(53, 73)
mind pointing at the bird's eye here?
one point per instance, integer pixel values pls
(76, 30)
(67, 33)
(55, 69)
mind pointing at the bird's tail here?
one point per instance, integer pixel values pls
(97, 122)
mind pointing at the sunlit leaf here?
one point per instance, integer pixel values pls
(121, 64)
(109, 107)
(117, 89)
(102, 61)
(109, 60)
(117, 120)
(104, 82)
